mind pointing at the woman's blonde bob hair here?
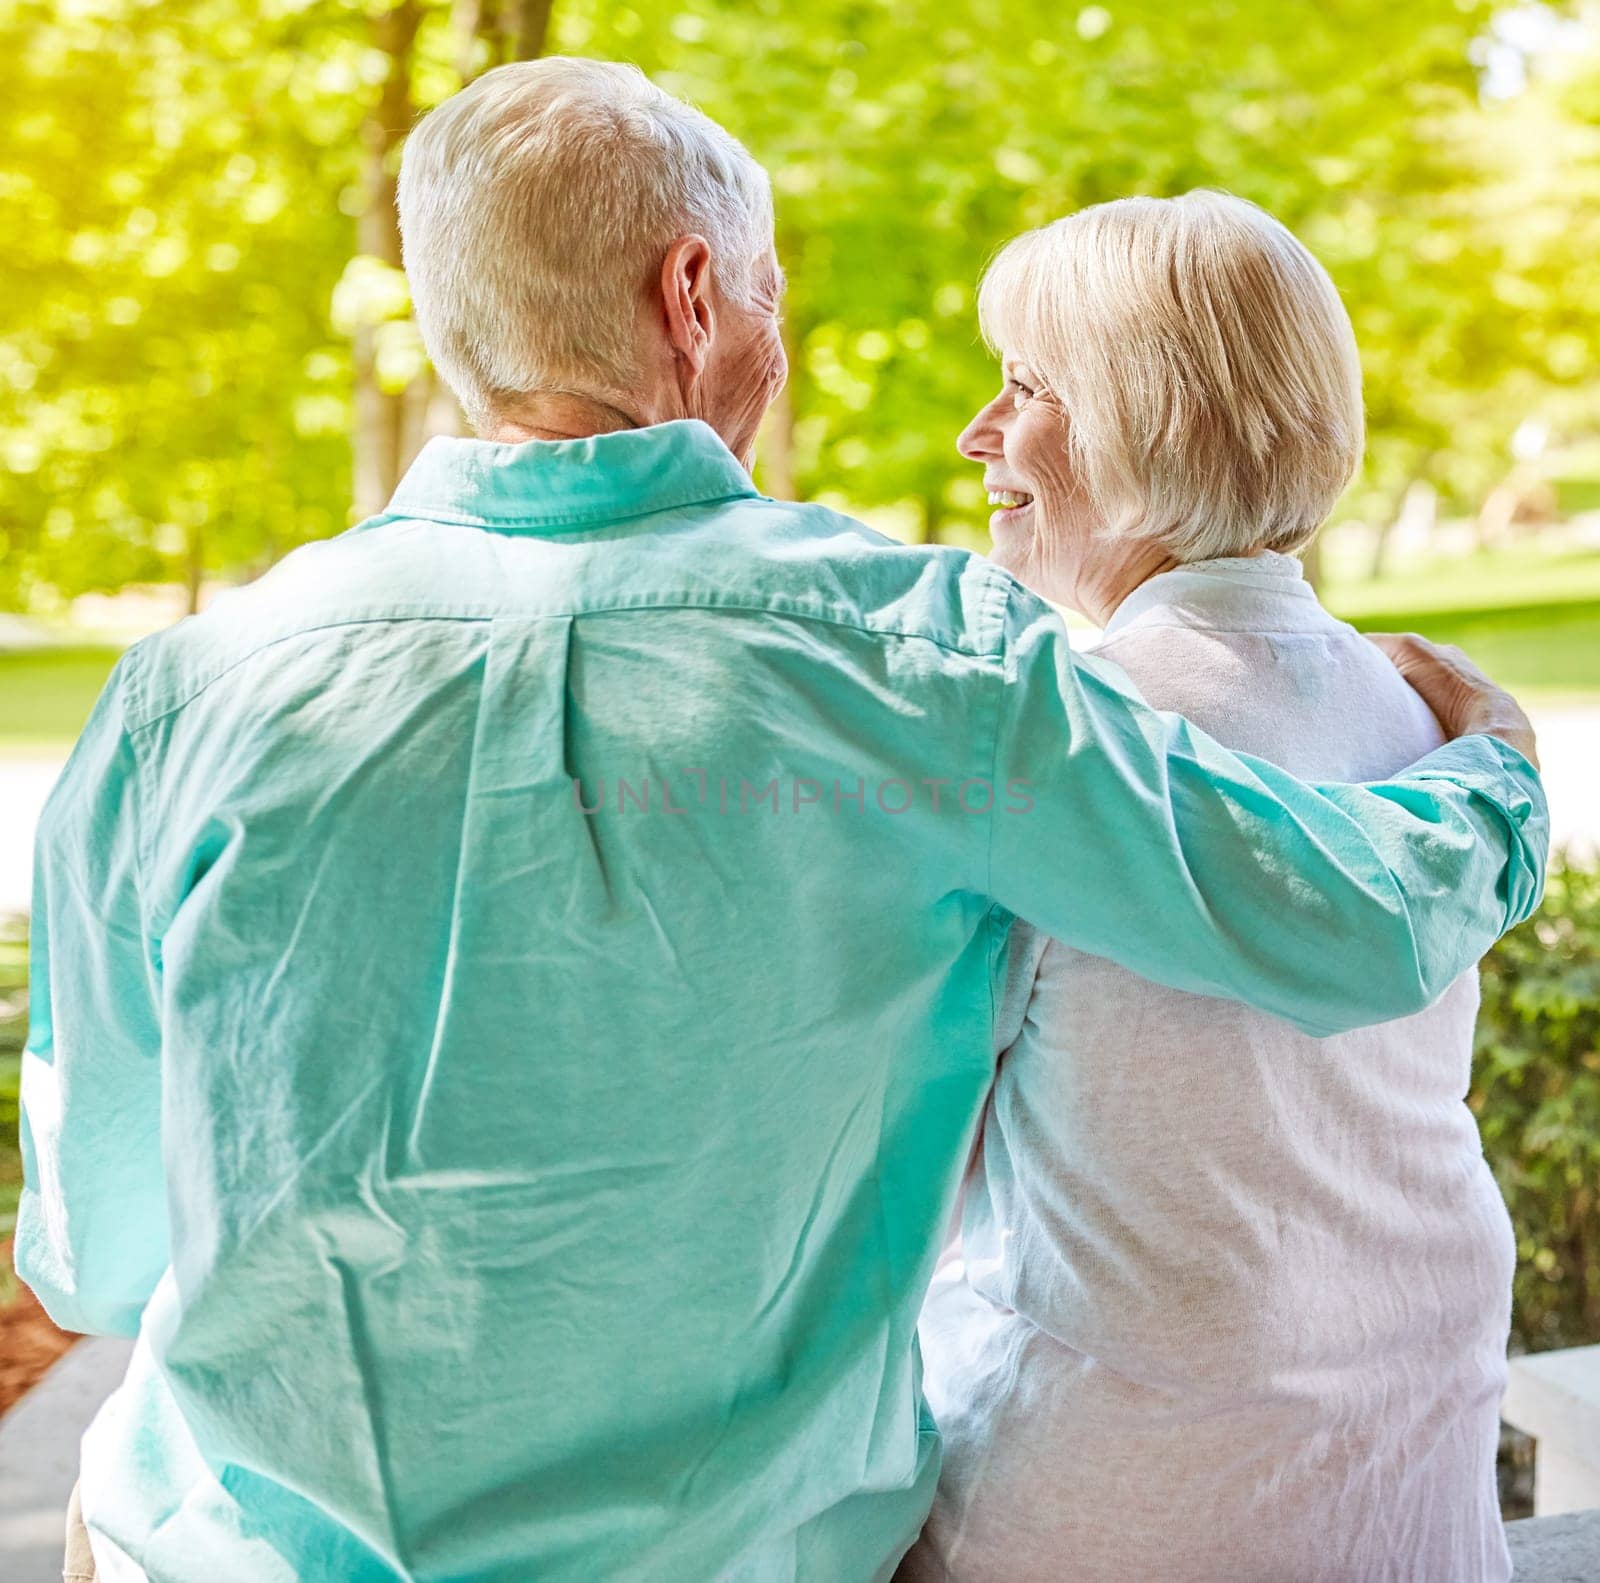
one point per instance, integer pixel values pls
(1205, 363)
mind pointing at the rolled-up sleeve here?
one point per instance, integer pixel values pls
(92, 1232)
(1132, 835)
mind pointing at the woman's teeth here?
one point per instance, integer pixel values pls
(1010, 499)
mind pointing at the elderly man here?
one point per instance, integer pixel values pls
(515, 984)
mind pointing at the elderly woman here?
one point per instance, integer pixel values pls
(1230, 1301)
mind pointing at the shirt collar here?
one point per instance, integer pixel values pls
(555, 484)
(1230, 586)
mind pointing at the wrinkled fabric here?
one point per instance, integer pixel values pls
(508, 1178)
(1231, 1304)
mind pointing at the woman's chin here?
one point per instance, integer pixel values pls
(1010, 533)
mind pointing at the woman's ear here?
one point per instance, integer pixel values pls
(686, 300)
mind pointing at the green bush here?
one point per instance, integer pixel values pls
(13, 1030)
(1536, 1093)
(13, 996)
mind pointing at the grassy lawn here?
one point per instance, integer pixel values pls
(1529, 618)
(46, 695)
(1546, 654)
(1528, 575)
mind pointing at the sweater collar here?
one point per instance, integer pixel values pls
(1226, 593)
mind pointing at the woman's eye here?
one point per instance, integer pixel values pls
(1021, 390)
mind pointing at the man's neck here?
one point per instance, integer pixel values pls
(560, 415)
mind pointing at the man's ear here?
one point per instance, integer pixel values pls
(686, 299)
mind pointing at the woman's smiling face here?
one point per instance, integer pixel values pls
(1044, 524)
(1040, 523)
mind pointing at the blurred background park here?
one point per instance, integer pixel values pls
(206, 357)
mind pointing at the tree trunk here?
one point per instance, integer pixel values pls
(1379, 563)
(380, 414)
(1406, 503)
(513, 29)
(1498, 512)
(1311, 560)
(194, 565)
(466, 22)
(775, 448)
(391, 426)
(524, 27)
(417, 406)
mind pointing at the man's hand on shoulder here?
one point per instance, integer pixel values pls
(1462, 698)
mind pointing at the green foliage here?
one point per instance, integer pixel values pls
(183, 287)
(171, 393)
(1536, 1092)
(13, 1029)
(930, 134)
(46, 695)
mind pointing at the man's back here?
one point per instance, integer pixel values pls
(545, 1092)
(512, 991)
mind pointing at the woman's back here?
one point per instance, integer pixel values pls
(1235, 1300)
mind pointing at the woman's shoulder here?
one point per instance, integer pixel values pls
(1320, 701)
(1192, 671)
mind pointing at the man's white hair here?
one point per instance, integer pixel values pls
(536, 207)
(1205, 363)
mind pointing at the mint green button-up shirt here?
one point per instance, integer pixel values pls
(514, 990)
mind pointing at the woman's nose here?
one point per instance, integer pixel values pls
(980, 440)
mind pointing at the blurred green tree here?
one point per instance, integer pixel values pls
(205, 349)
(173, 398)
